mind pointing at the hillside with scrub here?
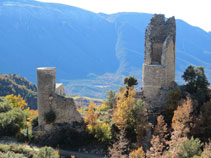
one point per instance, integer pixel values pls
(120, 126)
(17, 85)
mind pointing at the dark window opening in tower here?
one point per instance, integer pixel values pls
(156, 53)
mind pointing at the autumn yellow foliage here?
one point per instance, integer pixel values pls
(139, 153)
(124, 107)
(182, 119)
(103, 107)
(91, 117)
(16, 101)
(32, 114)
(101, 131)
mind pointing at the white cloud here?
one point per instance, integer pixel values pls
(195, 12)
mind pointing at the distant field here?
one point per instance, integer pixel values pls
(84, 101)
(93, 87)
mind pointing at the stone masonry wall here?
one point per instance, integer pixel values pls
(60, 89)
(48, 100)
(159, 60)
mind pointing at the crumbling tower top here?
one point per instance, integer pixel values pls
(160, 29)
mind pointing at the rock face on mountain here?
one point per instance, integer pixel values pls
(36, 34)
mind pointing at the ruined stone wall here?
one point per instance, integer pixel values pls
(49, 100)
(159, 59)
(152, 82)
(60, 89)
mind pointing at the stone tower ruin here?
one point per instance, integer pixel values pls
(51, 98)
(159, 59)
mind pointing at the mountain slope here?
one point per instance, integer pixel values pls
(92, 52)
(71, 39)
(17, 85)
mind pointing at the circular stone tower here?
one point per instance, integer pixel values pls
(46, 84)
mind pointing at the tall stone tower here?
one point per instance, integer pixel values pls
(159, 60)
(51, 98)
(46, 84)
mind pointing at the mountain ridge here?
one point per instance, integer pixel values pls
(89, 49)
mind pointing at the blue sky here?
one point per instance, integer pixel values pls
(195, 12)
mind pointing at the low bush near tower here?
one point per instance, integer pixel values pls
(50, 117)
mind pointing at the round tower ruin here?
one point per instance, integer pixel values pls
(51, 98)
(46, 83)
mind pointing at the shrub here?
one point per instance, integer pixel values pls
(68, 136)
(130, 81)
(12, 122)
(138, 107)
(91, 117)
(183, 118)
(102, 108)
(120, 148)
(16, 101)
(156, 150)
(197, 83)
(140, 115)
(17, 149)
(110, 99)
(122, 116)
(50, 117)
(159, 139)
(139, 153)
(207, 151)
(12, 155)
(190, 148)
(34, 121)
(46, 152)
(4, 148)
(4, 105)
(174, 98)
(205, 119)
(101, 131)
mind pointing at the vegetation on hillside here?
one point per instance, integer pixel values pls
(182, 130)
(25, 151)
(197, 84)
(14, 84)
(15, 120)
(122, 126)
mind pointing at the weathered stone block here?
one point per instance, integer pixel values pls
(60, 89)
